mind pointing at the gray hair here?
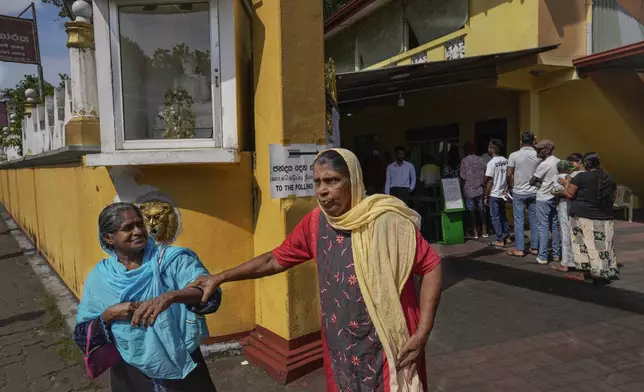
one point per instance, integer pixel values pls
(335, 160)
(110, 218)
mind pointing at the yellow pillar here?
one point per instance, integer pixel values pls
(529, 112)
(289, 108)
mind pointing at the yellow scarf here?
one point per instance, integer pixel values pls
(383, 233)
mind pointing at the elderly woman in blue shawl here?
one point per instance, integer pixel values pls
(137, 300)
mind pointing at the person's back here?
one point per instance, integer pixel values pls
(473, 175)
(525, 163)
(496, 176)
(587, 203)
(497, 169)
(547, 173)
(430, 173)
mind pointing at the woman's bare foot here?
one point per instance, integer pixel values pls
(534, 252)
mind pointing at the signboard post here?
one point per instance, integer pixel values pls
(19, 42)
(452, 217)
(291, 169)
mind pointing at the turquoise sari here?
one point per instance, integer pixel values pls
(163, 350)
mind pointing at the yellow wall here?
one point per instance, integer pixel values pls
(502, 26)
(564, 23)
(601, 114)
(496, 26)
(462, 105)
(59, 207)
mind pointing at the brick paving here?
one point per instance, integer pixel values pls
(508, 326)
(504, 325)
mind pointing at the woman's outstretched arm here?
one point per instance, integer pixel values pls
(259, 267)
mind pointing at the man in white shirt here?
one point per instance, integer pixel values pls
(495, 192)
(521, 167)
(545, 178)
(401, 177)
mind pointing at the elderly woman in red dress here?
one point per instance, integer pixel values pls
(374, 325)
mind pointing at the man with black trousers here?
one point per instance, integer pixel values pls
(401, 177)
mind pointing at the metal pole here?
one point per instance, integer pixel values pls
(23, 11)
(41, 80)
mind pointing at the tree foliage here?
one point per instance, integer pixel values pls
(62, 10)
(331, 6)
(15, 102)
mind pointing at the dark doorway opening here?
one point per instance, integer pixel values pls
(484, 131)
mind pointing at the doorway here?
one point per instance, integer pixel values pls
(435, 141)
(484, 131)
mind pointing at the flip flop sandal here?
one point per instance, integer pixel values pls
(516, 253)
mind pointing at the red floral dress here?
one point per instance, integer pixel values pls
(354, 359)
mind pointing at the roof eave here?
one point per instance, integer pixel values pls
(610, 55)
(349, 14)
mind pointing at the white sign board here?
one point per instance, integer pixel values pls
(292, 169)
(452, 194)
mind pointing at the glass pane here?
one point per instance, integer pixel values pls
(165, 69)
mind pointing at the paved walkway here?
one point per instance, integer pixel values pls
(503, 325)
(36, 352)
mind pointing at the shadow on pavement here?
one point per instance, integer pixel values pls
(468, 267)
(21, 317)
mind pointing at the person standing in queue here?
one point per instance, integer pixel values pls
(401, 177)
(496, 191)
(521, 167)
(545, 178)
(472, 172)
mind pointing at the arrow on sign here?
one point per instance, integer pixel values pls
(297, 153)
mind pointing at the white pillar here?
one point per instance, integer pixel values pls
(82, 128)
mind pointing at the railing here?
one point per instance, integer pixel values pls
(12, 153)
(448, 47)
(43, 128)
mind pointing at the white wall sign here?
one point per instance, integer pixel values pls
(452, 194)
(292, 169)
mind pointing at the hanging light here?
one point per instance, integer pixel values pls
(401, 101)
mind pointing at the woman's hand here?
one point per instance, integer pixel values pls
(122, 311)
(208, 284)
(411, 353)
(563, 181)
(148, 311)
